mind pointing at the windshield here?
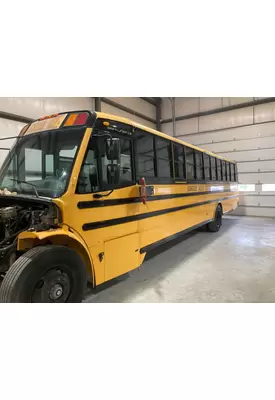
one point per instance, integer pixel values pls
(44, 161)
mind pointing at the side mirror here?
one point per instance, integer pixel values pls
(113, 174)
(113, 149)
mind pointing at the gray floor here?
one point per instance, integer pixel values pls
(235, 265)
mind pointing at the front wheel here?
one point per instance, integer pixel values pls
(215, 225)
(46, 274)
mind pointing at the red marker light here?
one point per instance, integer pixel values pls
(81, 119)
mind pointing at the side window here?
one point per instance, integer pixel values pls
(213, 169)
(199, 165)
(206, 163)
(190, 163)
(179, 161)
(164, 159)
(219, 169)
(88, 180)
(232, 172)
(126, 173)
(223, 178)
(228, 171)
(236, 173)
(145, 155)
(95, 169)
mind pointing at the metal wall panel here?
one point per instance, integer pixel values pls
(137, 104)
(250, 155)
(186, 106)
(255, 211)
(260, 177)
(257, 144)
(187, 125)
(264, 112)
(228, 119)
(210, 103)
(257, 200)
(240, 133)
(36, 107)
(256, 166)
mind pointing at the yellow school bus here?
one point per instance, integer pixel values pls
(85, 195)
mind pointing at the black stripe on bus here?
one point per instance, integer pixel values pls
(132, 200)
(123, 220)
(172, 237)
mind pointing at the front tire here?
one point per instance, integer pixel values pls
(215, 225)
(45, 274)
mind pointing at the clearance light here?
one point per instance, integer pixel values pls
(77, 119)
(48, 116)
(106, 123)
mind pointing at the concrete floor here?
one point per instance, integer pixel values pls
(235, 265)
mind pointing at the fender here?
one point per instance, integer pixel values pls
(29, 239)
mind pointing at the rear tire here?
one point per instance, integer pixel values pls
(46, 274)
(215, 225)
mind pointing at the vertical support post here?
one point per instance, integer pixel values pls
(98, 104)
(158, 114)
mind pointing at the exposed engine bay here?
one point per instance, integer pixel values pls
(22, 213)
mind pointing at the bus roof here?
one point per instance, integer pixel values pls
(154, 131)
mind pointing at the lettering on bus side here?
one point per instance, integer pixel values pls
(192, 188)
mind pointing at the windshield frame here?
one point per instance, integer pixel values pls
(30, 192)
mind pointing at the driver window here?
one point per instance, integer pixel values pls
(88, 177)
(126, 175)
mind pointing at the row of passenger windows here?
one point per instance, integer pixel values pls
(154, 159)
(150, 156)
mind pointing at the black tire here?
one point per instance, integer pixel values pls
(42, 273)
(215, 225)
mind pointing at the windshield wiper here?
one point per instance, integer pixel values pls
(27, 183)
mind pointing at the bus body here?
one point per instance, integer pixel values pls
(92, 193)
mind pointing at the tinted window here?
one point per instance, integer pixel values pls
(223, 176)
(88, 180)
(126, 175)
(145, 155)
(199, 165)
(236, 173)
(190, 163)
(164, 162)
(179, 159)
(228, 171)
(219, 173)
(232, 172)
(206, 162)
(213, 169)
(94, 171)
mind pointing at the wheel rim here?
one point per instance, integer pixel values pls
(53, 287)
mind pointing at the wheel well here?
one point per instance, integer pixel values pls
(64, 240)
(220, 204)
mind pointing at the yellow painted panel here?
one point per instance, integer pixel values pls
(121, 255)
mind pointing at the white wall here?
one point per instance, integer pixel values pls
(246, 135)
(36, 107)
(134, 103)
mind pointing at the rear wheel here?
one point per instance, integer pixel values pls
(48, 274)
(215, 225)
